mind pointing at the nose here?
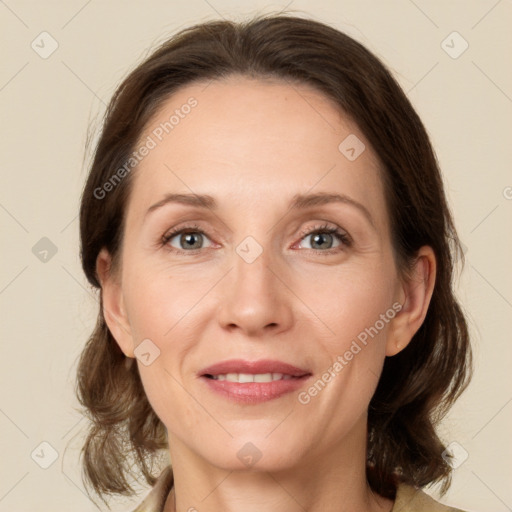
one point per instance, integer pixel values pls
(256, 300)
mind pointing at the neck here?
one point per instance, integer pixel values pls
(326, 481)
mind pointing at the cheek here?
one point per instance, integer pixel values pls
(357, 307)
(357, 310)
(159, 310)
(361, 310)
(350, 299)
(157, 301)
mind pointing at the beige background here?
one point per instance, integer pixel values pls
(48, 310)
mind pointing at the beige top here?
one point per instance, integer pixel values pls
(408, 499)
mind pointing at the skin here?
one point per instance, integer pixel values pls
(253, 145)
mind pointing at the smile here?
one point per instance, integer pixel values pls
(248, 377)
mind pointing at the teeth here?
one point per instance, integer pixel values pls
(249, 377)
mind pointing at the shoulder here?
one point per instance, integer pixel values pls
(411, 499)
(155, 500)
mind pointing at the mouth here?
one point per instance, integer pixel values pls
(242, 378)
(262, 367)
(253, 382)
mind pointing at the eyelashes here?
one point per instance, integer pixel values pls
(336, 233)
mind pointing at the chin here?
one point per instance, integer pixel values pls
(254, 453)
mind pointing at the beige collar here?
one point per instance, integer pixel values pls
(408, 498)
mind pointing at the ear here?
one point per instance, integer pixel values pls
(415, 294)
(113, 304)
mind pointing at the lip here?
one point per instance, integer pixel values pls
(254, 392)
(261, 366)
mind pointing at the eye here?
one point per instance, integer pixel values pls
(188, 238)
(323, 237)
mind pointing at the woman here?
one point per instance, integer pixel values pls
(274, 373)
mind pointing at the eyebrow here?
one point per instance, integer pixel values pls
(298, 202)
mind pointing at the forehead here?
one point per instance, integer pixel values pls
(254, 140)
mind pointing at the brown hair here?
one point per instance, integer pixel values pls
(419, 384)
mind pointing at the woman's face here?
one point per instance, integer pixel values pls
(248, 281)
